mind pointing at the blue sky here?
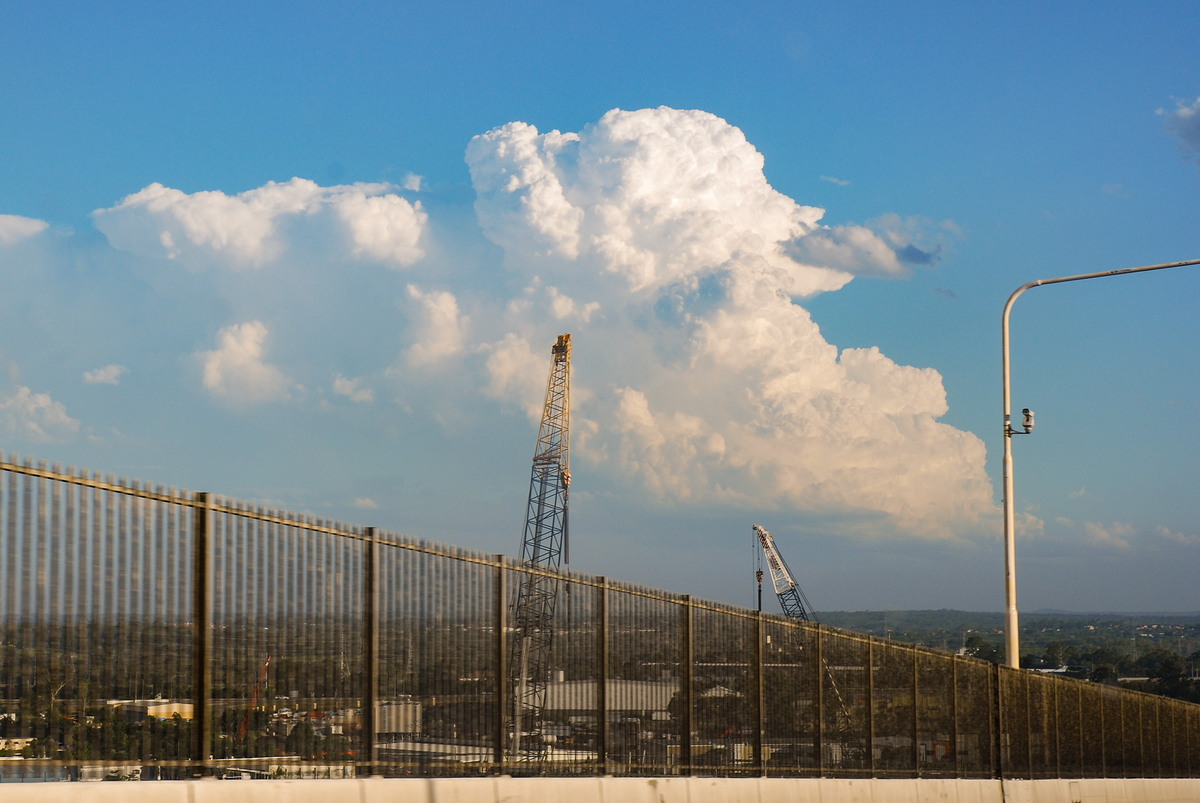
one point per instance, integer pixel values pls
(317, 257)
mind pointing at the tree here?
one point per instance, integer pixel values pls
(979, 647)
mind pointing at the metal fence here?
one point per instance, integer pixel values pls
(153, 633)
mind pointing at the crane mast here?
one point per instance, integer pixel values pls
(543, 548)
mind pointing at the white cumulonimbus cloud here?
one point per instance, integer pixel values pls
(654, 197)
(258, 226)
(706, 381)
(236, 372)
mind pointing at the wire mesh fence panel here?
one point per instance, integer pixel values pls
(1068, 743)
(1187, 747)
(1014, 724)
(1131, 737)
(1164, 744)
(287, 648)
(1043, 726)
(570, 743)
(439, 675)
(791, 674)
(973, 711)
(647, 719)
(724, 692)
(1094, 729)
(1189, 739)
(893, 713)
(844, 695)
(1117, 755)
(1148, 729)
(94, 640)
(936, 721)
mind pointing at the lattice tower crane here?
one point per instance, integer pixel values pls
(542, 551)
(796, 606)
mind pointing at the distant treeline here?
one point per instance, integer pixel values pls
(1155, 653)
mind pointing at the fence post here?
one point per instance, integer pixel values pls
(1103, 741)
(201, 634)
(499, 624)
(916, 714)
(370, 592)
(869, 747)
(602, 675)
(760, 693)
(998, 767)
(954, 735)
(686, 681)
(819, 688)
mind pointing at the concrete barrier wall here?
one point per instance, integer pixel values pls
(614, 790)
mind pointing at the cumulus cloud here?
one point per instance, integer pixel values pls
(766, 410)
(564, 308)
(14, 228)
(36, 417)
(352, 389)
(108, 375)
(236, 372)
(258, 226)
(439, 328)
(1184, 122)
(515, 372)
(655, 197)
(711, 383)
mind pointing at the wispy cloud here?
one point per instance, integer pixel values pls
(352, 389)
(108, 375)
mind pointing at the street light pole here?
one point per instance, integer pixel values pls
(1011, 638)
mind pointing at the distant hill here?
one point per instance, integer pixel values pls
(949, 629)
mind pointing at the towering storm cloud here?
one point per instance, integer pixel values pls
(652, 236)
(708, 381)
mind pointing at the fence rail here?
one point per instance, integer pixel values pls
(157, 633)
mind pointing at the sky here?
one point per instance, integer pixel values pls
(316, 258)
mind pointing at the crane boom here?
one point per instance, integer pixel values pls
(791, 598)
(543, 547)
